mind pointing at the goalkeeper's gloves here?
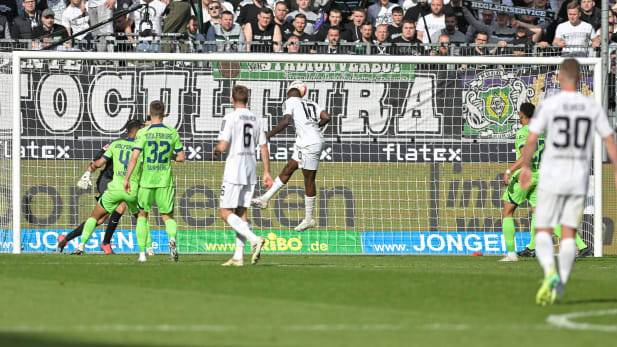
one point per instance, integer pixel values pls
(84, 181)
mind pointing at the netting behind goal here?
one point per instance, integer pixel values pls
(413, 161)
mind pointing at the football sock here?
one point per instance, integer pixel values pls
(76, 232)
(508, 233)
(276, 186)
(88, 229)
(142, 231)
(567, 254)
(240, 242)
(172, 228)
(241, 227)
(148, 236)
(557, 231)
(309, 205)
(532, 232)
(544, 252)
(111, 227)
(580, 244)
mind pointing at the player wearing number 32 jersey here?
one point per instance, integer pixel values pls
(307, 118)
(569, 120)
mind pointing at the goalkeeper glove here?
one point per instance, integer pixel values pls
(84, 181)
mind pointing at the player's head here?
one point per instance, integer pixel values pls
(526, 112)
(157, 109)
(569, 73)
(296, 89)
(240, 95)
(133, 126)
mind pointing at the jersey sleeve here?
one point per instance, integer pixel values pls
(108, 154)
(539, 121)
(140, 140)
(225, 133)
(521, 138)
(287, 107)
(177, 143)
(262, 134)
(603, 128)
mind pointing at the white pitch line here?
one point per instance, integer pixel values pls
(565, 321)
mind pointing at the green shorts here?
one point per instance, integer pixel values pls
(164, 198)
(111, 199)
(517, 195)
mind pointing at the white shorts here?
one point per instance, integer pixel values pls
(553, 209)
(308, 156)
(236, 195)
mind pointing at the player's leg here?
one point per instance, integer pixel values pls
(279, 182)
(114, 219)
(145, 201)
(98, 213)
(550, 207)
(507, 222)
(310, 195)
(149, 248)
(583, 250)
(530, 250)
(165, 198)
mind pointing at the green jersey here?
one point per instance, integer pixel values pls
(521, 138)
(120, 151)
(157, 142)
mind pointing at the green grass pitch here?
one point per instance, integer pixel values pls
(96, 300)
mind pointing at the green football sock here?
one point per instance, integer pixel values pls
(508, 232)
(557, 231)
(532, 231)
(149, 237)
(142, 231)
(88, 229)
(171, 227)
(580, 244)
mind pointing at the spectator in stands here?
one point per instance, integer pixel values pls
(429, 26)
(481, 39)
(24, 24)
(178, 15)
(264, 32)
(333, 47)
(293, 44)
(101, 11)
(58, 6)
(380, 12)
(456, 8)
(574, 34)
(444, 46)
(381, 44)
(408, 43)
(298, 24)
(9, 9)
(214, 13)
(334, 21)
(311, 17)
(194, 42)
(149, 25)
(280, 17)
(527, 35)
(49, 30)
(487, 20)
(499, 31)
(347, 7)
(455, 36)
(228, 35)
(366, 39)
(75, 18)
(248, 13)
(590, 13)
(421, 8)
(396, 28)
(352, 29)
(5, 31)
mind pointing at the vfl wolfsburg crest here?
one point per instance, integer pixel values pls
(490, 100)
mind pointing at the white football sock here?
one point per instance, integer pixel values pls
(240, 241)
(309, 204)
(567, 255)
(241, 227)
(544, 251)
(276, 186)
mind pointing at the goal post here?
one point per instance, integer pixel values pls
(398, 175)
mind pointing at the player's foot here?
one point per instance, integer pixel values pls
(527, 253)
(509, 257)
(61, 243)
(173, 252)
(557, 292)
(259, 202)
(150, 251)
(107, 248)
(78, 251)
(545, 295)
(585, 252)
(142, 258)
(305, 225)
(233, 262)
(256, 248)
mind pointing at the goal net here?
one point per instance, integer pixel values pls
(413, 162)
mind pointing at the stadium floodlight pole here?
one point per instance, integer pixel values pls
(120, 14)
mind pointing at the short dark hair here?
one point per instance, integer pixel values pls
(335, 10)
(227, 12)
(133, 124)
(335, 29)
(265, 10)
(528, 109)
(408, 21)
(573, 5)
(397, 9)
(300, 15)
(475, 36)
(157, 108)
(240, 94)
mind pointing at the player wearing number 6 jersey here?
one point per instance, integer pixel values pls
(157, 145)
(569, 120)
(241, 133)
(307, 117)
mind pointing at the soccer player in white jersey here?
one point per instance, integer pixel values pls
(308, 117)
(569, 119)
(242, 131)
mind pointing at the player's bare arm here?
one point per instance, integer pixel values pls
(129, 170)
(517, 165)
(530, 149)
(180, 157)
(284, 123)
(220, 147)
(324, 118)
(265, 157)
(84, 182)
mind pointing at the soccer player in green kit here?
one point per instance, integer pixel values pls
(119, 151)
(159, 144)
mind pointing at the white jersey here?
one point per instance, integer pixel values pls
(73, 18)
(244, 131)
(433, 26)
(569, 119)
(306, 117)
(580, 35)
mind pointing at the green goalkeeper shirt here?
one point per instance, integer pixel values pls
(119, 152)
(157, 142)
(521, 138)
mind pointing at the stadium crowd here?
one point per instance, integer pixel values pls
(402, 27)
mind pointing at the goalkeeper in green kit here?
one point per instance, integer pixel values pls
(157, 145)
(515, 195)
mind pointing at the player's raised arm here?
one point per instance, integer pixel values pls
(132, 163)
(324, 118)
(530, 149)
(284, 123)
(84, 182)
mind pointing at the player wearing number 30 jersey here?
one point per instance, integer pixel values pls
(307, 117)
(569, 119)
